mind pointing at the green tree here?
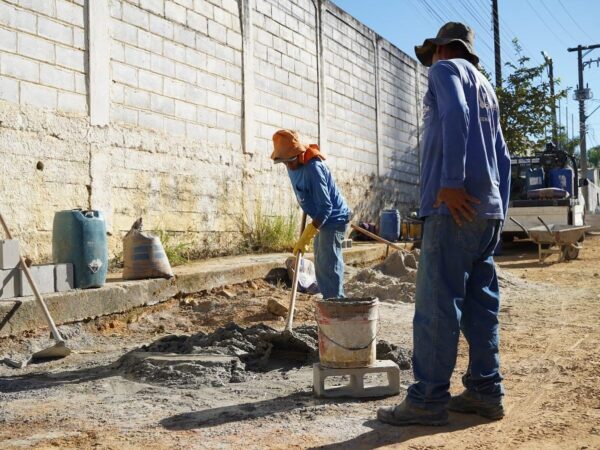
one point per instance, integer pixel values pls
(525, 105)
(593, 155)
(568, 145)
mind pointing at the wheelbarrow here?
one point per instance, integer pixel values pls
(563, 240)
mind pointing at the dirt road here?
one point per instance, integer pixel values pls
(550, 320)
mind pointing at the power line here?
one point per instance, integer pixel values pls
(432, 11)
(552, 32)
(482, 20)
(427, 18)
(558, 21)
(447, 12)
(574, 21)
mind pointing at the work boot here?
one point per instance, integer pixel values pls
(470, 402)
(408, 414)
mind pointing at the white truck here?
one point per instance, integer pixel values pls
(525, 209)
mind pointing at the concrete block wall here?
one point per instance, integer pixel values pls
(285, 95)
(193, 90)
(350, 80)
(42, 54)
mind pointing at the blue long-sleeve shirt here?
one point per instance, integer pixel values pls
(317, 193)
(463, 146)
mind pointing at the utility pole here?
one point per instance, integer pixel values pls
(497, 56)
(551, 77)
(582, 94)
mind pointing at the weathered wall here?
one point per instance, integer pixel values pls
(194, 90)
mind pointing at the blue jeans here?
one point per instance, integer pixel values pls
(457, 289)
(329, 263)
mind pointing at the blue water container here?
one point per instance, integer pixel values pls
(535, 179)
(79, 238)
(389, 224)
(562, 179)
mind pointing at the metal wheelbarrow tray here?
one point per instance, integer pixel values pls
(564, 240)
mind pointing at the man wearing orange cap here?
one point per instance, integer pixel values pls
(319, 198)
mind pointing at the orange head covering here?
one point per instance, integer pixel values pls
(287, 146)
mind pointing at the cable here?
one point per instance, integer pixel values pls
(574, 21)
(432, 11)
(427, 18)
(482, 22)
(558, 21)
(445, 19)
(552, 32)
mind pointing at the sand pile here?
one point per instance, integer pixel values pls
(231, 354)
(392, 280)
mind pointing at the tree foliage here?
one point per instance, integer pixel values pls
(525, 105)
(593, 155)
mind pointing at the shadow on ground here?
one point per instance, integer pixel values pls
(382, 434)
(214, 417)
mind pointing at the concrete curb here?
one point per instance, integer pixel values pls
(22, 314)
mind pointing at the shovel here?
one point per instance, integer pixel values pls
(59, 349)
(290, 316)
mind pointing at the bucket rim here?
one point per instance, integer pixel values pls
(347, 301)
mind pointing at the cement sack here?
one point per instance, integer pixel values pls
(144, 255)
(307, 278)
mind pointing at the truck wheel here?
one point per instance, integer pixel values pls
(570, 252)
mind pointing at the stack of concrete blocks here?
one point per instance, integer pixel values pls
(9, 274)
(48, 278)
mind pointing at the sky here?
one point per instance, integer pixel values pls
(549, 25)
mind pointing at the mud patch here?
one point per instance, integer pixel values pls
(231, 354)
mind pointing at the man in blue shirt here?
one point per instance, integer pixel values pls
(465, 177)
(319, 198)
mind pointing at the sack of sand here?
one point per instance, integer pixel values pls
(144, 255)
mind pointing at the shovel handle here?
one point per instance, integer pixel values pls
(38, 297)
(290, 316)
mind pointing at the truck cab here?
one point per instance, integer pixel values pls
(543, 185)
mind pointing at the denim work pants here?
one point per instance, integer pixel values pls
(457, 289)
(329, 263)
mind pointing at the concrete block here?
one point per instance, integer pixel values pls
(35, 47)
(357, 388)
(135, 16)
(9, 283)
(217, 31)
(9, 254)
(68, 102)
(26, 20)
(8, 40)
(197, 22)
(37, 95)
(9, 89)
(55, 31)
(63, 277)
(20, 68)
(69, 12)
(175, 12)
(43, 276)
(156, 6)
(73, 59)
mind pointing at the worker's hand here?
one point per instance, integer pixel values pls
(309, 232)
(458, 203)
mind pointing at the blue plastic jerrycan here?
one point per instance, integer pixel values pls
(79, 238)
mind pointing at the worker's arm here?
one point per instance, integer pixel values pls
(317, 175)
(320, 193)
(503, 158)
(453, 111)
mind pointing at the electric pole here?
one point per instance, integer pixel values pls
(498, 60)
(582, 94)
(551, 77)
